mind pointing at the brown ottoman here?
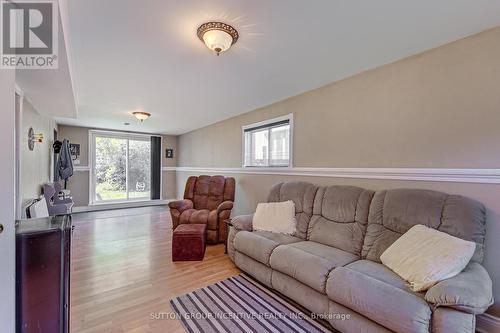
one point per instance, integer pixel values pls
(188, 243)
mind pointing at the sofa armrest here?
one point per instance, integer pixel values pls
(470, 291)
(243, 222)
(181, 205)
(226, 205)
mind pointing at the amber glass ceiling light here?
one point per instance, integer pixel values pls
(141, 115)
(217, 36)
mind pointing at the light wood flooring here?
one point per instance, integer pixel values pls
(122, 271)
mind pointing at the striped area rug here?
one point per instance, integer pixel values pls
(239, 304)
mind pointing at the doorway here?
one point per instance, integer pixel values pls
(121, 167)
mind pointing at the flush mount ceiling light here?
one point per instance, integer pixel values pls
(140, 115)
(217, 36)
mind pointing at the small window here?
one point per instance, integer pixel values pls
(268, 143)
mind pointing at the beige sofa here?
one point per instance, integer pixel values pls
(332, 265)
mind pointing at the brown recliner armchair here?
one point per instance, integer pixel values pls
(207, 200)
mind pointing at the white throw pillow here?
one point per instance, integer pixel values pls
(424, 256)
(275, 217)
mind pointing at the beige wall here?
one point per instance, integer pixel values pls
(36, 165)
(79, 187)
(77, 135)
(169, 181)
(439, 109)
(79, 183)
(169, 185)
(169, 142)
(436, 109)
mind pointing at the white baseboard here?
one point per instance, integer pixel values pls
(100, 207)
(486, 323)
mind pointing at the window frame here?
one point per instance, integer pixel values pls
(92, 158)
(263, 124)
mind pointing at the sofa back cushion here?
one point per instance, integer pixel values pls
(394, 212)
(340, 217)
(302, 194)
(208, 192)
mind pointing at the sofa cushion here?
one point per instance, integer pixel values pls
(307, 297)
(309, 262)
(376, 292)
(450, 320)
(200, 192)
(194, 216)
(275, 217)
(394, 212)
(302, 194)
(424, 256)
(354, 323)
(256, 269)
(208, 192)
(340, 217)
(259, 245)
(378, 272)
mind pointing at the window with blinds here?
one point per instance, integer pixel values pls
(269, 143)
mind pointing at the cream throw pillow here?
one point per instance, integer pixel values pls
(275, 217)
(424, 256)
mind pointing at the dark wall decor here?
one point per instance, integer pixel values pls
(74, 149)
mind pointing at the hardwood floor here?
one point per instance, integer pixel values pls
(122, 271)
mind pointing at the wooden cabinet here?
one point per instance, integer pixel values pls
(43, 249)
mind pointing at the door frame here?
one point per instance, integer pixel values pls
(19, 100)
(7, 200)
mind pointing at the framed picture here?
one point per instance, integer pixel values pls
(169, 153)
(74, 150)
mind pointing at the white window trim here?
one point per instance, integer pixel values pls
(288, 117)
(91, 156)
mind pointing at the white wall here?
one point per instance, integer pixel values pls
(7, 204)
(36, 165)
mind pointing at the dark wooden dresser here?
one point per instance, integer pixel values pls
(43, 248)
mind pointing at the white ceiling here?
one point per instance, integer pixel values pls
(50, 91)
(130, 54)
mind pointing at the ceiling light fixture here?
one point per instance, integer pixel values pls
(217, 36)
(140, 115)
